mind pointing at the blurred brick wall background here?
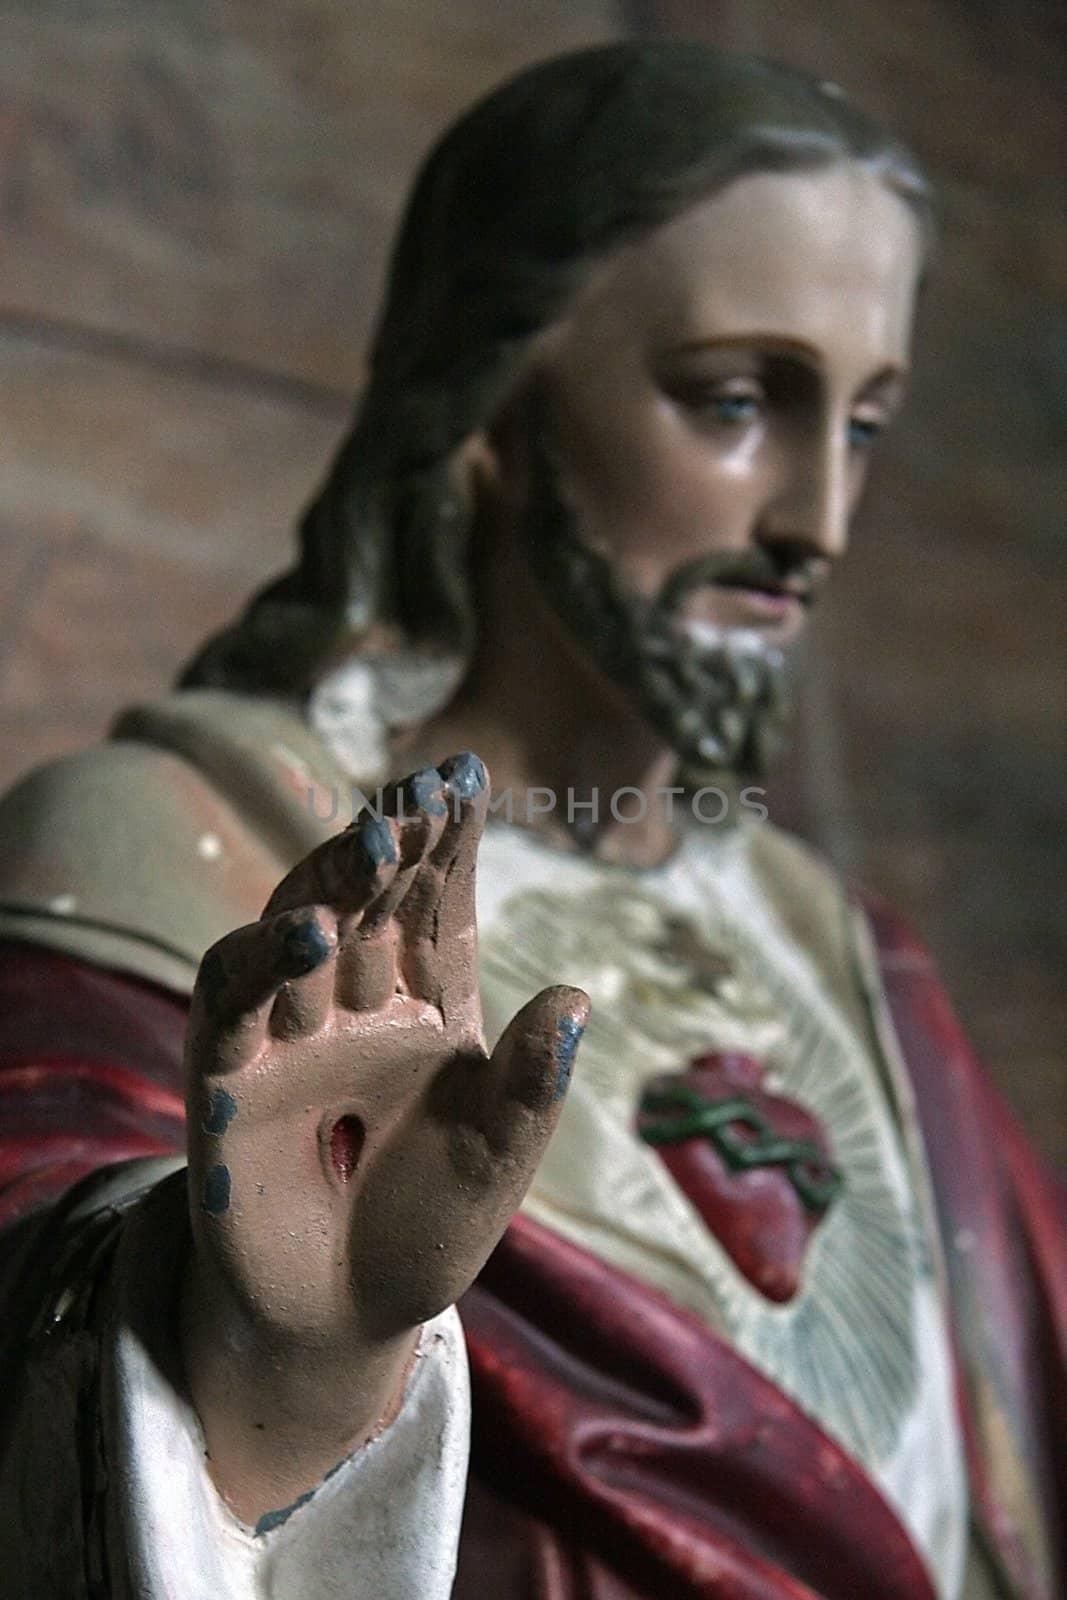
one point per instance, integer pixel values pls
(196, 200)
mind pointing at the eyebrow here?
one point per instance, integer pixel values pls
(730, 341)
(891, 375)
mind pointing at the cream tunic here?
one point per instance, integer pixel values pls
(863, 1346)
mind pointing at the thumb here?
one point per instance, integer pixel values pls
(534, 1059)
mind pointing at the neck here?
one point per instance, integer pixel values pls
(557, 736)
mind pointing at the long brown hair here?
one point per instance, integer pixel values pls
(551, 171)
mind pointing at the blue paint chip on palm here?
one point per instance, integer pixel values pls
(222, 1108)
(216, 1197)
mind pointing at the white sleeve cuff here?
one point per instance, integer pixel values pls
(384, 1525)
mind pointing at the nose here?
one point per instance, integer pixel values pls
(811, 502)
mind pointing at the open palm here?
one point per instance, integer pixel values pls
(354, 1152)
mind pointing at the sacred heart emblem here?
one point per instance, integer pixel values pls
(758, 1167)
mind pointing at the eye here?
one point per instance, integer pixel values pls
(727, 403)
(863, 431)
(731, 409)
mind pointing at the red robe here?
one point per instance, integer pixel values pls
(620, 1449)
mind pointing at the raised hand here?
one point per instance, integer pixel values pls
(354, 1153)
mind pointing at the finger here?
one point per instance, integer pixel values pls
(349, 872)
(302, 1005)
(438, 915)
(419, 805)
(534, 1058)
(240, 977)
(466, 787)
(475, 1148)
(464, 792)
(367, 969)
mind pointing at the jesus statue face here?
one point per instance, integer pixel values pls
(707, 407)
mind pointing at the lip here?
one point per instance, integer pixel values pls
(764, 605)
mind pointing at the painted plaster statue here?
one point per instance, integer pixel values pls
(767, 1300)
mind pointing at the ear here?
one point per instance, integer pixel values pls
(489, 468)
(476, 468)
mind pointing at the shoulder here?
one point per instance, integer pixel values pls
(140, 853)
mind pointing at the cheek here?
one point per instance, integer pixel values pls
(857, 481)
(655, 492)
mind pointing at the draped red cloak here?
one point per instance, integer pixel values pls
(619, 1448)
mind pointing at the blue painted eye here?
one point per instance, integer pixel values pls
(733, 408)
(862, 433)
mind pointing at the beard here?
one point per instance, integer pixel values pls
(718, 696)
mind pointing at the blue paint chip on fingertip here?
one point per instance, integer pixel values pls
(377, 842)
(425, 792)
(465, 775)
(568, 1037)
(306, 946)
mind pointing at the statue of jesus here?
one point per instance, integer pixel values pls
(759, 1289)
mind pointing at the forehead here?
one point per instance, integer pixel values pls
(828, 259)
